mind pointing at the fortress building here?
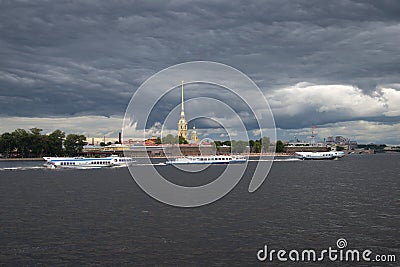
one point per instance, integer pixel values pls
(183, 125)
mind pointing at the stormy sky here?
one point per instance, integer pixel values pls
(74, 65)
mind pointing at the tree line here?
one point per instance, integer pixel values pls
(32, 143)
(237, 146)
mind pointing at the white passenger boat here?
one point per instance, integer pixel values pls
(320, 155)
(207, 160)
(83, 162)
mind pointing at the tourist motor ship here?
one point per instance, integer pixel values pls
(217, 159)
(320, 155)
(83, 162)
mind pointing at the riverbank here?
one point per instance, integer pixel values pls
(41, 159)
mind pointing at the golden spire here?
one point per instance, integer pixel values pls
(182, 98)
(182, 124)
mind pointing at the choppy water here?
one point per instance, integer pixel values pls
(101, 217)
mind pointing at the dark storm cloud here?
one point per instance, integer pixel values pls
(193, 92)
(87, 57)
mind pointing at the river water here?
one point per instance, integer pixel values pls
(101, 217)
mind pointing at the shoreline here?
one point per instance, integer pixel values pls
(277, 155)
(41, 159)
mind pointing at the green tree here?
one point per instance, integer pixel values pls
(45, 150)
(257, 146)
(74, 144)
(158, 141)
(239, 146)
(7, 144)
(251, 144)
(35, 145)
(279, 146)
(218, 143)
(22, 142)
(170, 139)
(55, 143)
(182, 140)
(226, 143)
(265, 144)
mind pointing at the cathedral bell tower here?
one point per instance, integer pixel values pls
(182, 123)
(193, 137)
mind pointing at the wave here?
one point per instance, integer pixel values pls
(22, 168)
(290, 159)
(269, 160)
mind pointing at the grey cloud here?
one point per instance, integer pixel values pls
(88, 57)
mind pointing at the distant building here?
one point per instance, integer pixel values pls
(340, 140)
(353, 144)
(91, 148)
(330, 140)
(193, 137)
(183, 125)
(115, 148)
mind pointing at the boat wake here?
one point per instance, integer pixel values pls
(27, 168)
(22, 168)
(149, 164)
(274, 160)
(45, 167)
(289, 159)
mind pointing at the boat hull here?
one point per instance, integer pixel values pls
(207, 160)
(220, 163)
(332, 155)
(82, 162)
